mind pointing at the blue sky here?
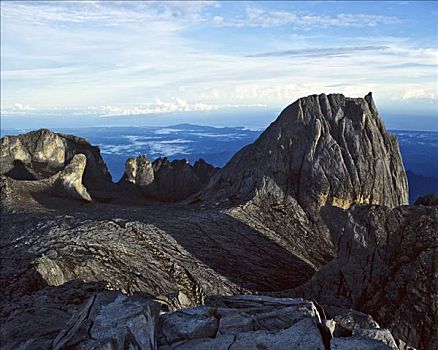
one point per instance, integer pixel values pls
(141, 58)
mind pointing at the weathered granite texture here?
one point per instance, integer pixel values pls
(42, 153)
(168, 181)
(266, 223)
(322, 149)
(85, 316)
(68, 181)
(386, 266)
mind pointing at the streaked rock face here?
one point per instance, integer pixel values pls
(385, 266)
(321, 150)
(11, 147)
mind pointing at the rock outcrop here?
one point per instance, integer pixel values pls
(138, 171)
(204, 171)
(68, 181)
(40, 154)
(85, 316)
(321, 150)
(429, 200)
(385, 267)
(167, 181)
(270, 222)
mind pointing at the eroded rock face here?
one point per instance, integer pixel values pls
(385, 267)
(40, 154)
(69, 181)
(204, 171)
(111, 320)
(138, 171)
(326, 149)
(167, 181)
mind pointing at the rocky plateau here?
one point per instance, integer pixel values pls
(304, 240)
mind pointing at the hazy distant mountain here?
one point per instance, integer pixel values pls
(420, 185)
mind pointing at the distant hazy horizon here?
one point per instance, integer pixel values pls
(96, 63)
(255, 119)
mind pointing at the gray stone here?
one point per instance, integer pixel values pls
(188, 324)
(164, 180)
(219, 343)
(384, 268)
(357, 343)
(69, 181)
(243, 322)
(138, 171)
(40, 154)
(111, 319)
(346, 320)
(302, 335)
(382, 335)
(50, 271)
(318, 152)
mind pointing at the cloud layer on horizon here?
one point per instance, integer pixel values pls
(122, 57)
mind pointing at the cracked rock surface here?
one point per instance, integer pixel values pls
(386, 266)
(322, 149)
(85, 316)
(282, 218)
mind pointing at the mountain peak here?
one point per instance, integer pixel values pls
(322, 149)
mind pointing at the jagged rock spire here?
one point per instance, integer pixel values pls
(322, 149)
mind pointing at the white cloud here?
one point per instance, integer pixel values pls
(157, 107)
(419, 93)
(175, 14)
(256, 17)
(114, 56)
(21, 107)
(17, 109)
(108, 13)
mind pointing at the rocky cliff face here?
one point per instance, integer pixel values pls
(385, 266)
(168, 181)
(40, 154)
(321, 150)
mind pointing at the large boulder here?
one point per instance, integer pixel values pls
(40, 154)
(321, 150)
(260, 322)
(67, 183)
(111, 320)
